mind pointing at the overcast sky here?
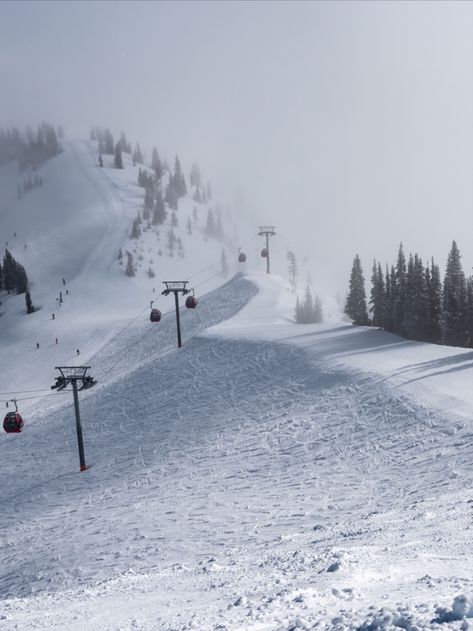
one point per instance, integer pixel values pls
(349, 125)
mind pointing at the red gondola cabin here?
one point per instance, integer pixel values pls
(155, 315)
(242, 257)
(191, 302)
(13, 423)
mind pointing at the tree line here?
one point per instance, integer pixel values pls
(410, 299)
(13, 279)
(30, 148)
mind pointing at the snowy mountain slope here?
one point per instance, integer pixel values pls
(74, 226)
(265, 476)
(245, 481)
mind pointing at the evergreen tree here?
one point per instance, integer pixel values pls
(434, 293)
(416, 313)
(172, 194)
(130, 268)
(21, 279)
(209, 192)
(118, 161)
(318, 312)
(310, 310)
(179, 182)
(9, 271)
(454, 301)
(100, 160)
(377, 296)
(109, 144)
(355, 306)
(292, 269)
(135, 229)
(171, 241)
(148, 204)
(137, 155)
(124, 145)
(159, 215)
(156, 163)
(189, 226)
(29, 303)
(174, 221)
(398, 289)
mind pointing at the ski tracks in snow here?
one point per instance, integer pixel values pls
(237, 485)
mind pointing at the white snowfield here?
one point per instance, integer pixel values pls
(265, 476)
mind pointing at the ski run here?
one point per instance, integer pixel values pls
(267, 476)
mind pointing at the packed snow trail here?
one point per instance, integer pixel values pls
(238, 483)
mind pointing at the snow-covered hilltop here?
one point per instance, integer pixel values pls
(72, 234)
(265, 476)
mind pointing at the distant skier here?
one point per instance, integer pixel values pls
(56, 340)
(78, 351)
(53, 317)
(63, 281)
(67, 292)
(37, 344)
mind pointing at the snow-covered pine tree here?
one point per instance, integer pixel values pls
(318, 313)
(398, 289)
(159, 214)
(355, 306)
(178, 179)
(109, 145)
(148, 204)
(292, 269)
(21, 279)
(29, 303)
(416, 306)
(9, 271)
(171, 241)
(454, 301)
(130, 267)
(172, 196)
(137, 154)
(135, 229)
(434, 293)
(156, 163)
(118, 160)
(377, 296)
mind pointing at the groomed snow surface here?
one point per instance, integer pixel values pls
(265, 476)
